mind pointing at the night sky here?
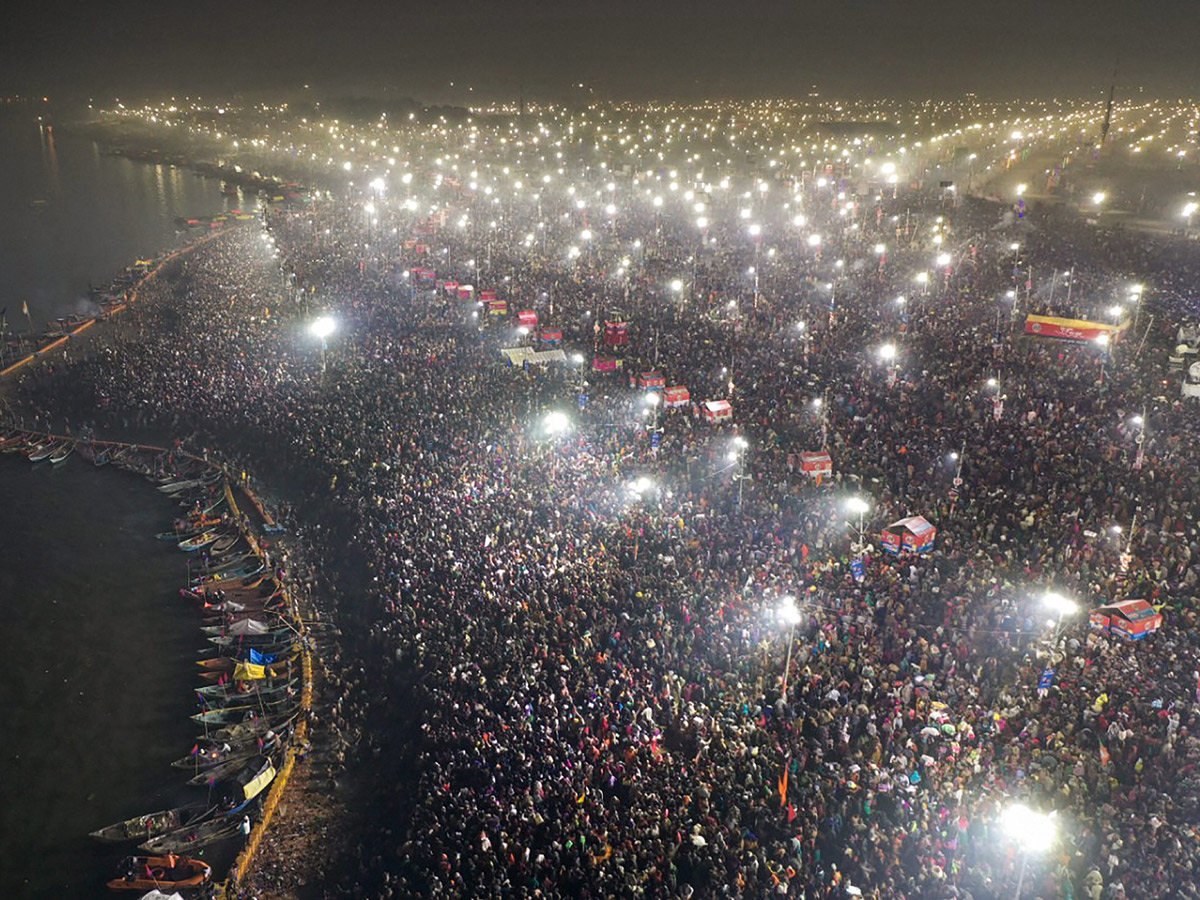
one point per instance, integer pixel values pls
(617, 49)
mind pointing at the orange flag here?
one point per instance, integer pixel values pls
(783, 785)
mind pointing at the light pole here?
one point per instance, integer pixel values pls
(1140, 422)
(756, 233)
(944, 260)
(887, 353)
(860, 506)
(321, 328)
(652, 401)
(1136, 292)
(1032, 831)
(802, 327)
(822, 405)
(789, 614)
(555, 423)
(1189, 210)
(1061, 606)
(737, 456)
(578, 360)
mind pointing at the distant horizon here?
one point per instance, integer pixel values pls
(618, 51)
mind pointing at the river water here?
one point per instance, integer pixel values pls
(96, 646)
(74, 215)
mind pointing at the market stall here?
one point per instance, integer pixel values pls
(816, 463)
(651, 381)
(913, 534)
(1132, 619)
(717, 411)
(677, 395)
(616, 334)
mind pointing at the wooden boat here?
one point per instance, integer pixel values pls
(151, 824)
(42, 450)
(178, 536)
(241, 593)
(268, 689)
(224, 545)
(201, 540)
(239, 574)
(226, 580)
(247, 784)
(175, 488)
(273, 642)
(145, 873)
(227, 563)
(245, 731)
(210, 754)
(61, 454)
(255, 625)
(228, 607)
(222, 770)
(235, 715)
(188, 840)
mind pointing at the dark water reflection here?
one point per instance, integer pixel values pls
(70, 214)
(96, 647)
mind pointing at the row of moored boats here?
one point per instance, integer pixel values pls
(248, 672)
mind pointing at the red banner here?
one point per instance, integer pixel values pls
(1067, 329)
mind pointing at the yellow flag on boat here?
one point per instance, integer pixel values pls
(245, 671)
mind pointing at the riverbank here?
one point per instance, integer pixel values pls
(79, 329)
(161, 463)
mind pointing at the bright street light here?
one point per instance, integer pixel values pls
(1063, 606)
(1099, 197)
(857, 505)
(556, 422)
(887, 352)
(640, 485)
(321, 328)
(1032, 831)
(788, 614)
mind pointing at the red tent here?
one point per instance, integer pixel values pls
(652, 381)
(716, 411)
(816, 463)
(1133, 619)
(605, 364)
(676, 396)
(528, 318)
(616, 333)
(914, 534)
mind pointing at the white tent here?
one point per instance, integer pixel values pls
(520, 355)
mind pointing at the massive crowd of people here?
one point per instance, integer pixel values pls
(563, 649)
